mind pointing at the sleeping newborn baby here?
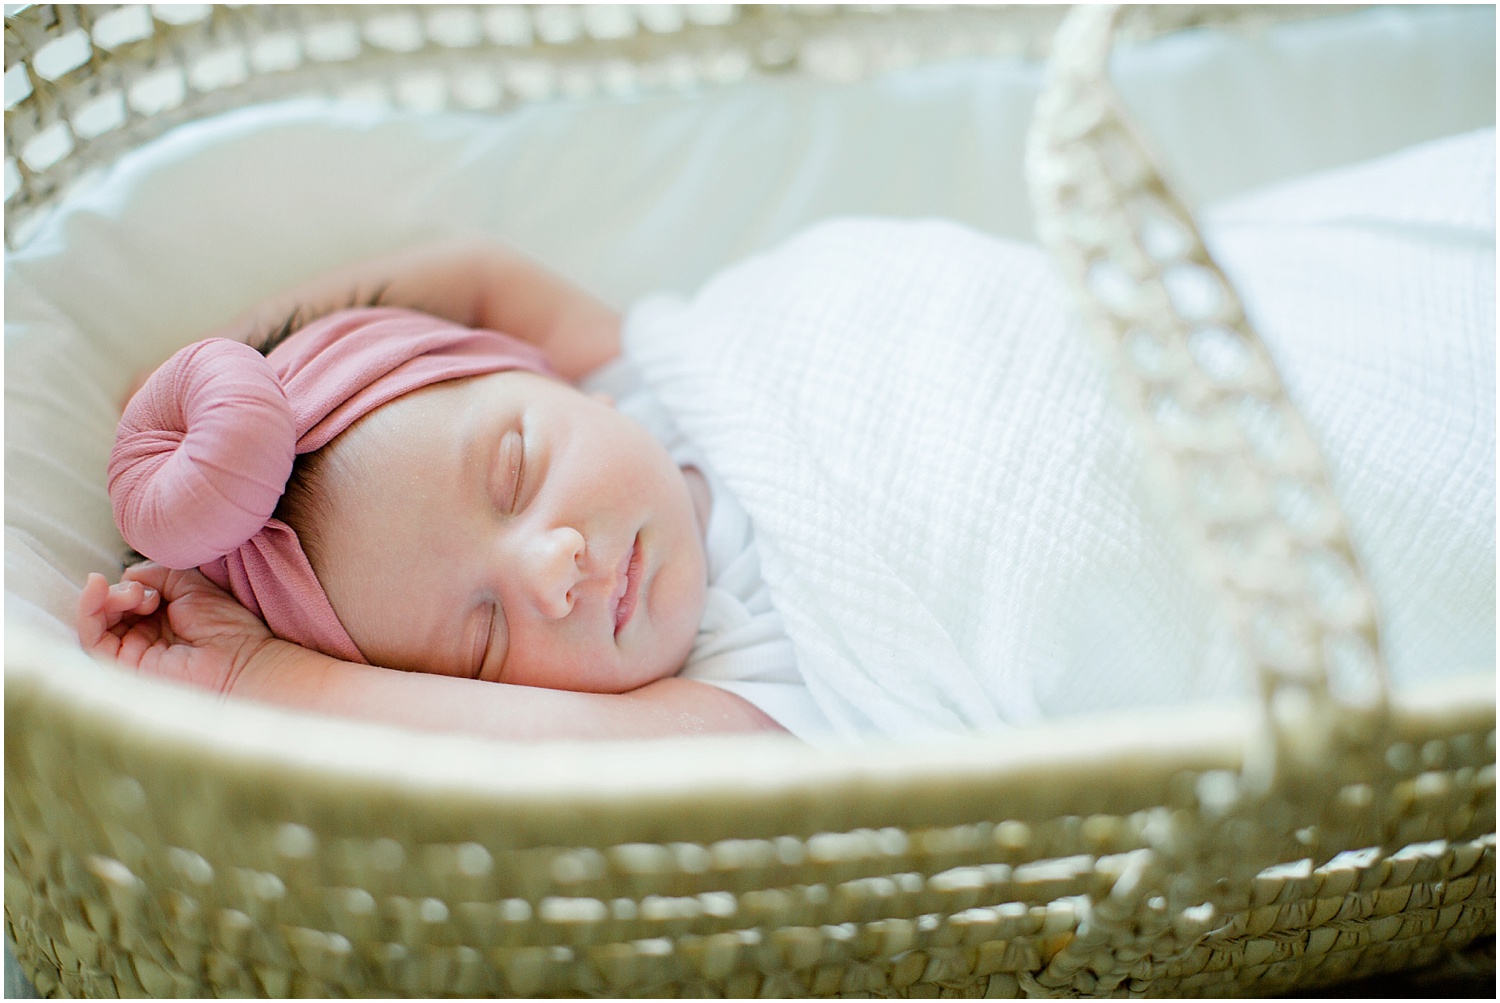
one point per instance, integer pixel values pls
(456, 508)
(952, 530)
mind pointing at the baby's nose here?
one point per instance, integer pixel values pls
(555, 572)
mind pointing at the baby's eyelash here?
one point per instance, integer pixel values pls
(498, 627)
(520, 471)
(489, 642)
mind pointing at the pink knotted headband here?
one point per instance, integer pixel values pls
(204, 449)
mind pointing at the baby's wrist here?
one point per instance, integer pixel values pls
(270, 663)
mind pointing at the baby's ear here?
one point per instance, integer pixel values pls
(607, 400)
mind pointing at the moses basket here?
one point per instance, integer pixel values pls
(161, 843)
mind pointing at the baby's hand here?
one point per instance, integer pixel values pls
(173, 624)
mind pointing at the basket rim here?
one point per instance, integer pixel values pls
(1035, 772)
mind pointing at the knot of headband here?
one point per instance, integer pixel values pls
(204, 449)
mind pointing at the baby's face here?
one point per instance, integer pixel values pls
(511, 528)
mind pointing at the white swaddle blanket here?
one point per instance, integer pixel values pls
(950, 510)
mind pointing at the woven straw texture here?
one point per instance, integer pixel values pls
(160, 843)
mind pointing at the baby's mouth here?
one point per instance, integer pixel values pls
(625, 600)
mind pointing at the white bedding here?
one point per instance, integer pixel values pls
(949, 509)
(626, 198)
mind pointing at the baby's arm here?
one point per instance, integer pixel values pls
(202, 637)
(477, 283)
(667, 707)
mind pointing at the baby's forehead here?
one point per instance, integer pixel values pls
(449, 408)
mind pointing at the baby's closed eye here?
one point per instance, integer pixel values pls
(494, 644)
(510, 472)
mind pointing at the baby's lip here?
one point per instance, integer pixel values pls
(627, 585)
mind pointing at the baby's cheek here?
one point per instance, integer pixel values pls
(688, 609)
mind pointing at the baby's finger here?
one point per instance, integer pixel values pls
(122, 597)
(150, 574)
(132, 597)
(92, 623)
(133, 647)
(142, 647)
(91, 599)
(150, 599)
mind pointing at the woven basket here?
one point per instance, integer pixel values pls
(159, 842)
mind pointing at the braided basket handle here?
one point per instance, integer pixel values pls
(1237, 465)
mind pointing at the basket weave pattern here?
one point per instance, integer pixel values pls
(155, 875)
(1356, 838)
(86, 83)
